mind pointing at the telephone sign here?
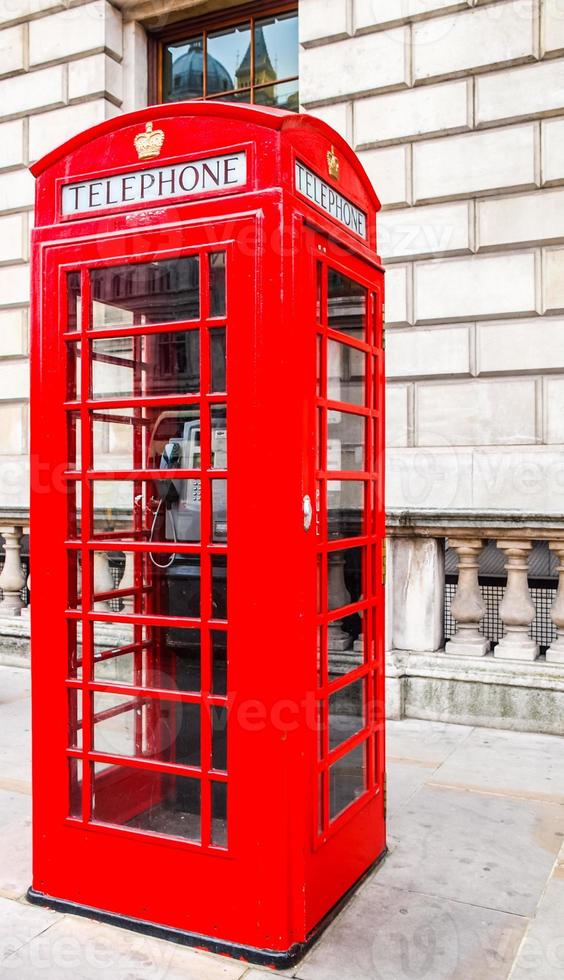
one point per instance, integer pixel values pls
(207, 634)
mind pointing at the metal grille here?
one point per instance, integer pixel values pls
(542, 629)
(116, 561)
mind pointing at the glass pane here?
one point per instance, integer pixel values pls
(182, 595)
(346, 305)
(146, 364)
(345, 441)
(115, 650)
(217, 284)
(74, 301)
(228, 59)
(74, 634)
(219, 737)
(183, 70)
(243, 96)
(151, 657)
(219, 814)
(219, 661)
(276, 48)
(74, 582)
(219, 437)
(74, 495)
(145, 800)
(73, 371)
(346, 713)
(149, 438)
(75, 718)
(147, 728)
(345, 373)
(75, 788)
(148, 292)
(218, 359)
(345, 643)
(345, 508)
(219, 511)
(344, 577)
(74, 448)
(283, 96)
(114, 508)
(219, 587)
(347, 780)
(173, 658)
(113, 443)
(167, 584)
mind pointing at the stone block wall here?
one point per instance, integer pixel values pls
(455, 109)
(64, 66)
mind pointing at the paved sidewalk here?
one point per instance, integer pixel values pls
(473, 888)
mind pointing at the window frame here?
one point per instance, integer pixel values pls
(204, 24)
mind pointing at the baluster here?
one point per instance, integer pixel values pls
(468, 607)
(339, 596)
(516, 609)
(12, 578)
(555, 652)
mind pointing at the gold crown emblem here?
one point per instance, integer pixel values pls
(333, 165)
(150, 143)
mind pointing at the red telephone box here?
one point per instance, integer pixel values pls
(207, 527)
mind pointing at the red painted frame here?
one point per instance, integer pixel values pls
(281, 874)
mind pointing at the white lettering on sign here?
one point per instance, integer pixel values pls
(156, 183)
(315, 189)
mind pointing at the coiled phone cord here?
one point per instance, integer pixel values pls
(153, 525)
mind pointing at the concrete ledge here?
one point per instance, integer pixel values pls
(485, 691)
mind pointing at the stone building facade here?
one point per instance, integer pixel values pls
(456, 108)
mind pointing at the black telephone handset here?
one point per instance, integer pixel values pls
(171, 459)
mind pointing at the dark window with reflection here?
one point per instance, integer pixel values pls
(346, 305)
(253, 60)
(146, 292)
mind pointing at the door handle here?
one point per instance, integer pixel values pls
(308, 511)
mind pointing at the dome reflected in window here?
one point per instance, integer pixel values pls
(254, 61)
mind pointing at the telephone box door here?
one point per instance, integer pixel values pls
(151, 756)
(348, 818)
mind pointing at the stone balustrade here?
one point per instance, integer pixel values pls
(416, 585)
(505, 680)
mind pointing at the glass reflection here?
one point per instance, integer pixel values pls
(346, 713)
(219, 661)
(347, 780)
(345, 373)
(147, 292)
(218, 359)
(283, 96)
(219, 814)
(344, 577)
(346, 305)
(183, 70)
(217, 283)
(345, 645)
(228, 59)
(345, 508)
(146, 364)
(74, 300)
(276, 48)
(146, 800)
(345, 441)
